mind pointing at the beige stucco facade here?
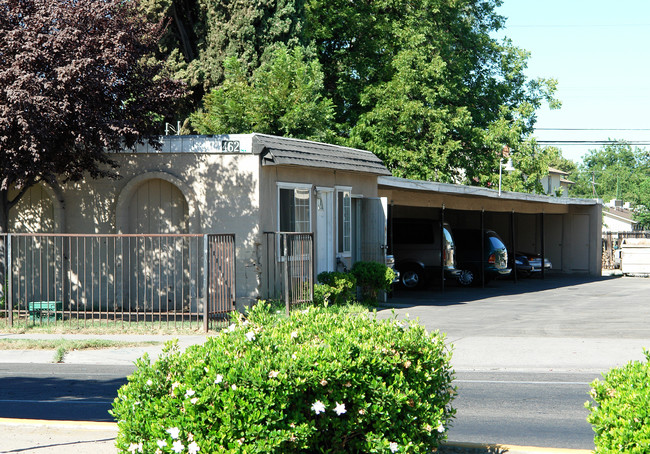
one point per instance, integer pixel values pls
(187, 189)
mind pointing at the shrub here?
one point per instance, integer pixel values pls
(314, 382)
(335, 288)
(620, 417)
(373, 277)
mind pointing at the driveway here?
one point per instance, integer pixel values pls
(561, 323)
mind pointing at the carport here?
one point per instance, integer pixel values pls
(565, 230)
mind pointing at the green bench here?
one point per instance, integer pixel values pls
(45, 310)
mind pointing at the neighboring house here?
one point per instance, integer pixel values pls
(556, 182)
(243, 184)
(617, 217)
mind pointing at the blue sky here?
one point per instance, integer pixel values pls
(599, 52)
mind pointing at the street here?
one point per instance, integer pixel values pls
(70, 392)
(535, 409)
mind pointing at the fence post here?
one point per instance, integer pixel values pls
(205, 283)
(285, 250)
(9, 298)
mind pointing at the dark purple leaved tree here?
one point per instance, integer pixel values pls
(75, 83)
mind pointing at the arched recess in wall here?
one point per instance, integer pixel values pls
(156, 202)
(39, 210)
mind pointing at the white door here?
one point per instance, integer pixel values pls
(325, 260)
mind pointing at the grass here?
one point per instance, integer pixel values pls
(63, 346)
(22, 326)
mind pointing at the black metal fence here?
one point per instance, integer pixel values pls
(612, 246)
(289, 267)
(181, 281)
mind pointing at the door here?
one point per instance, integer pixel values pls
(325, 260)
(580, 242)
(553, 238)
(374, 212)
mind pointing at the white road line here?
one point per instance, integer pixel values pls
(518, 382)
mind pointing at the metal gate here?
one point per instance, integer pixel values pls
(181, 281)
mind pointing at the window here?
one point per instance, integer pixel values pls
(294, 209)
(344, 221)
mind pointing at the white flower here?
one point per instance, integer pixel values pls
(250, 336)
(149, 382)
(135, 447)
(339, 409)
(294, 334)
(294, 356)
(161, 443)
(393, 446)
(174, 432)
(194, 400)
(318, 407)
(234, 387)
(219, 379)
(175, 385)
(231, 328)
(189, 393)
(245, 323)
(273, 373)
(193, 448)
(440, 428)
(178, 446)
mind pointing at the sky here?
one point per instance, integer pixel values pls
(599, 52)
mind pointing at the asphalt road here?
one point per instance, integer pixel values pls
(60, 391)
(525, 353)
(534, 409)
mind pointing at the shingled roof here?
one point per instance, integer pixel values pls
(283, 151)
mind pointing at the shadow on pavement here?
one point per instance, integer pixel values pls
(454, 294)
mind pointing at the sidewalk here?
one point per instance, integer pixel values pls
(111, 356)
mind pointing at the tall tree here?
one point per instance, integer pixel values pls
(617, 171)
(205, 33)
(76, 85)
(284, 97)
(423, 84)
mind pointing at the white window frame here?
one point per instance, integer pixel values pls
(346, 252)
(294, 186)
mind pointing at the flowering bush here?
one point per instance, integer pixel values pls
(621, 416)
(317, 381)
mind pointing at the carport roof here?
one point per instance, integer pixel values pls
(474, 191)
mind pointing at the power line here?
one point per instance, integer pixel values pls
(592, 129)
(592, 142)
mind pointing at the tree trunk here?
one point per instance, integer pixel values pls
(4, 211)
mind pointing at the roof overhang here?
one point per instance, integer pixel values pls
(462, 197)
(281, 151)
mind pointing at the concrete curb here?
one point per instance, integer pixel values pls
(84, 425)
(452, 445)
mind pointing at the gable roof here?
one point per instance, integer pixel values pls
(620, 214)
(305, 153)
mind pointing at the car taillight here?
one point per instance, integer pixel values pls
(492, 259)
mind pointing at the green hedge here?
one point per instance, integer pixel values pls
(335, 288)
(373, 277)
(620, 414)
(317, 381)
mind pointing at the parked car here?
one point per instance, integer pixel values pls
(535, 262)
(423, 248)
(468, 255)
